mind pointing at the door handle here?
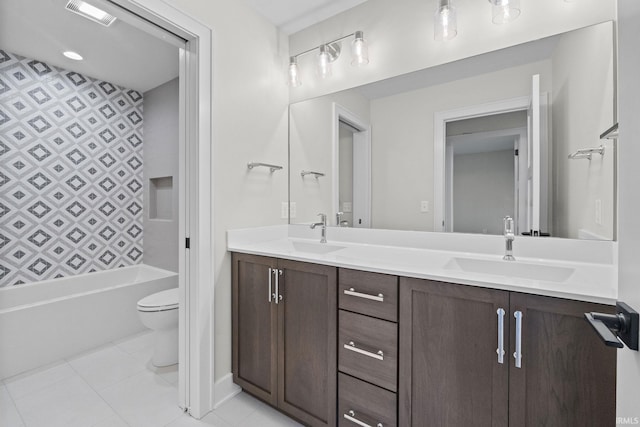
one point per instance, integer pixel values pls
(518, 353)
(277, 295)
(500, 349)
(270, 284)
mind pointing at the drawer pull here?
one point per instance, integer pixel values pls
(351, 416)
(352, 347)
(353, 293)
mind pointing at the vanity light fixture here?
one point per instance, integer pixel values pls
(445, 26)
(73, 55)
(327, 54)
(91, 12)
(294, 72)
(504, 11)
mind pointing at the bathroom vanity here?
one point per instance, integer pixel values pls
(346, 333)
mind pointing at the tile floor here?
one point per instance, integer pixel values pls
(116, 386)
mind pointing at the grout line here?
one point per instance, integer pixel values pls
(14, 403)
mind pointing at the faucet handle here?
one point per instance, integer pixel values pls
(339, 218)
(508, 225)
(323, 217)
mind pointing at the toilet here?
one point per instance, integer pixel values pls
(159, 312)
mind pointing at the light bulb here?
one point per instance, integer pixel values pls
(294, 73)
(324, 63)
(359, 50)
(445, 21)
(504, 11)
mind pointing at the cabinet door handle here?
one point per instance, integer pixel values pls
(270, 280)
(277, 295)
(518, 354)
(379, 355)
(500, 349)
(351, 416)
(353, 293)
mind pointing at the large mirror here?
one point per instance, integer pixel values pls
(458, 147)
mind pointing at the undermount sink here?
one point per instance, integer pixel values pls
(315, 248)
(547, 273)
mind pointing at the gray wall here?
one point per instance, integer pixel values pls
(70, 175)
(161, 161)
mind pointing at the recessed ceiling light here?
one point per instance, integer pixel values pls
(73, 55)
(90, 12)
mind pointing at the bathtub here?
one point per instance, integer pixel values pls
(46, 321)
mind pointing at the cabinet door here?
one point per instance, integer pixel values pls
(568, 376)
(449, 373)
(307, 367)
(254, 327)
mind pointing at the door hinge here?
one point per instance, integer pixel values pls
(187, 243)
(517, 151)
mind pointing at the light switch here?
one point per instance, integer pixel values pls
(424, 206)
(347, 207)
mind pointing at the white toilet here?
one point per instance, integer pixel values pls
(159, 312)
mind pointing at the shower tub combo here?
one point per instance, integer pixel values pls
(50, 320)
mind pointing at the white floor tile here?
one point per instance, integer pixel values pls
(268, 417)
(136, 343)
(105, 367)
(144, 400)
(236, 410)
(210, 420)
(67, 403)
(111, 421)
(38, 379)
(9, 416)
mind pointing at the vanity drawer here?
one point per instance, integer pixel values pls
(373, 294)
(361, 401)
(368, 349)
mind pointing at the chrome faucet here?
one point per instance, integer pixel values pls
(509, 236)
(323, 224)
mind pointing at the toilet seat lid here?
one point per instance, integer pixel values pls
(164, 300)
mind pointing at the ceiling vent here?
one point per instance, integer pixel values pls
(90, 12)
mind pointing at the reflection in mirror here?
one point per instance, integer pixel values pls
(460, 146)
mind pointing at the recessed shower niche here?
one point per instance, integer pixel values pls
(161, 198)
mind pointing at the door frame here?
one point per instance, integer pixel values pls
(196, 271)
(520, 142)
(440, 120)
(342, 114)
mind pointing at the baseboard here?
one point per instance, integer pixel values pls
(225, 389)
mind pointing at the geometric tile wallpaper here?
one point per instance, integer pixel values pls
(70, 173)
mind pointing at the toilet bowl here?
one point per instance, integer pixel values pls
(159, 312)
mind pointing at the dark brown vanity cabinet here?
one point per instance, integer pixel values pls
(284, 335)
(451, 372)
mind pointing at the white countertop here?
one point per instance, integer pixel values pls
(574, 273)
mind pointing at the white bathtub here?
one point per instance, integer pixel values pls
(54, 319)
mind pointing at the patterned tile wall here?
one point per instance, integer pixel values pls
(70, 173)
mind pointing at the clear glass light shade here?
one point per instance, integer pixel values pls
(324, 63)
(445, 25)
(504, 11)
(293, 76)
(359, 50)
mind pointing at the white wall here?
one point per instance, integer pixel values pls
(311, 149)
(628, 202)
(400, 36)
(160, 159)
(402, 161)
(483, 191)
(249, 123)
(583, 108)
